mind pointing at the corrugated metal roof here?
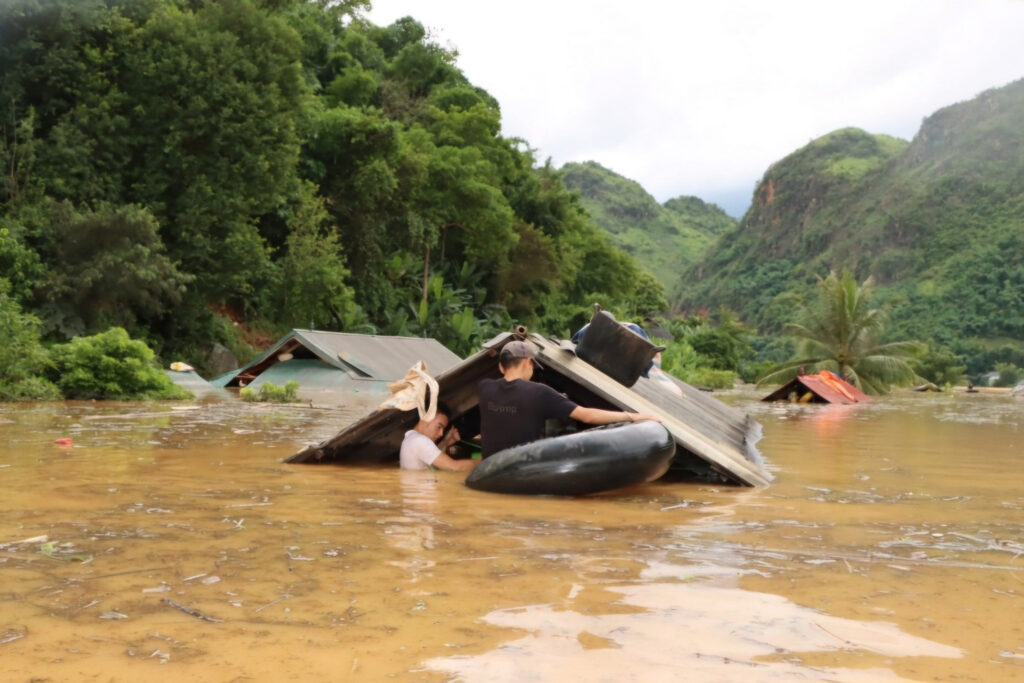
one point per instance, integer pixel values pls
(378, 356)
(360, 356)
(716, 433)
(834, 390)
(830, 389)
(197, 385)
(314, 375)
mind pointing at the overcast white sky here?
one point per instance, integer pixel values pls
(699, 98)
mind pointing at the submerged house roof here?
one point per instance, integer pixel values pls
(190, 379)
(327, 360)
(822, 387)
(713, 440)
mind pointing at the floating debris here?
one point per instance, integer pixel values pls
(113, 614)
(189, 611)
(476, 559)
(63, 551)
(684, 504)
(272, 602)
(12, 634)
(25, 541)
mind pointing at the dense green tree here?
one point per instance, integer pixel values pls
(106, 268)
(941, 367)
(717, 346)
(178, 167)
(19, 263)
(111, 365)
(1009, 374)
(23, 360)
(314, 289)
(219, 93)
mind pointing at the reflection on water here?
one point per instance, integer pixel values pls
(169, 541)
(693, 624)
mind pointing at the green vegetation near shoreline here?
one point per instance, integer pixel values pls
(108, 365)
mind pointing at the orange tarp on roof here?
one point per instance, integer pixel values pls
(825, 385)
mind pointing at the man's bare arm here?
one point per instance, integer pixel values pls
(443, 461)
(596, 416)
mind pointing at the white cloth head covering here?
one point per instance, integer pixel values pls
(411, 392)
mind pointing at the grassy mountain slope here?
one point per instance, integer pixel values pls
(666, 239)
(938, 222)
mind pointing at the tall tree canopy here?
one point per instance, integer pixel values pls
(281, 161)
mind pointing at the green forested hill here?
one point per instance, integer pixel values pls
(665, 238)
(938, 222)
(187, 170)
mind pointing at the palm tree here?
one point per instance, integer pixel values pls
(840, 333)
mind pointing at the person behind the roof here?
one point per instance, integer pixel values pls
(513, 409)
(423, 446)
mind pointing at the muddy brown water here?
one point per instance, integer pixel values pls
(169, 542)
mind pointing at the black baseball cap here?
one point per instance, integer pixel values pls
(515, 350)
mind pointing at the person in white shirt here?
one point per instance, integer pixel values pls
(421, 449)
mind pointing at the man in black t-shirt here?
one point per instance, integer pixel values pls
(513, 409)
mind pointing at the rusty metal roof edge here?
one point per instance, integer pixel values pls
(820, 389)
(739, 468)
(812, 381)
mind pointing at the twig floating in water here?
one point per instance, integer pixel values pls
(273, 602)
(12, 634)
(189, 611)
(127, 571)
(839, 638)
(476, 559)
(34, 539)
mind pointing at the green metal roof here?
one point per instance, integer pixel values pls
(314, 375)
(373, 357)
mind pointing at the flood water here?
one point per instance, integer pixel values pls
(169, 542)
